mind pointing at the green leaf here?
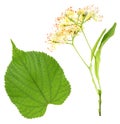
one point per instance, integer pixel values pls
(33, 80)
(106, 37)
(96, 44)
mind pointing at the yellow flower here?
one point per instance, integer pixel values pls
(89, 12)
(70, 24)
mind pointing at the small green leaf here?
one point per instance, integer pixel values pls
(33, 80)
(108, 35)
(97, 43)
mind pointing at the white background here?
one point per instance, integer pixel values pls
(27, 22)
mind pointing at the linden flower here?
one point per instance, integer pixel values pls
(70, 24)
(89, 12)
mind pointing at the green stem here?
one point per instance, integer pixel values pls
(90, 70)
(80, 56)
(98, 90)
(93, 80)
(99, 101)
(86, 40)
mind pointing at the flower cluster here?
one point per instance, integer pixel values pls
(70, 24)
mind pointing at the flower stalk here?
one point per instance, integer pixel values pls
(89, 67)
(68, 26)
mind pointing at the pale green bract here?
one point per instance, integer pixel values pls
(33, 80)
(96, 44)
(105, 38)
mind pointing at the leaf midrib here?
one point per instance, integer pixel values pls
(41, 93)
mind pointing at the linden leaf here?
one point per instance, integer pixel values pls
(33, 80)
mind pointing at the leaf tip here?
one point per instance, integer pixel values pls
(114, 25)
(13, 45)
(15, 50)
